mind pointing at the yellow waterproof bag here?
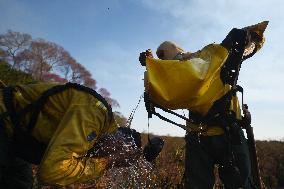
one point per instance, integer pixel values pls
(194, 84)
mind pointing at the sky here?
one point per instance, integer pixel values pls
(107, 36)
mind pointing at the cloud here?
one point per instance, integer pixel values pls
(204, 21)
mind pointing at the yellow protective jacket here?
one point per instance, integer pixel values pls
(70, 123)
(194, 84)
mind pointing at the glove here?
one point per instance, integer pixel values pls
(143, 55)
(247, 116)
(153, 148)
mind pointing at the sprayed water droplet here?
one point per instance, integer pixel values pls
(137, 174)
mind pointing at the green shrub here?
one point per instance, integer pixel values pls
(11, 76)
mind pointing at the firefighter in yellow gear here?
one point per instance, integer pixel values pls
(56, 131)
(205, 83)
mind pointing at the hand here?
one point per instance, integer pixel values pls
(247, 115)
(143, 55)
(149, 53)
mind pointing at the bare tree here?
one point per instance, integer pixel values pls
(76, 72)
(80, 75)
(46, 61)
(52, 77)
(104, 92)
(87, 79)
(12, 43)
(65, 65)
(41, 57)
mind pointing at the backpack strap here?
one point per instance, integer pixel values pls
(8, 96)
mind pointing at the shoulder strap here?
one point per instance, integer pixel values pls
(235, 43)
(8, 96)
